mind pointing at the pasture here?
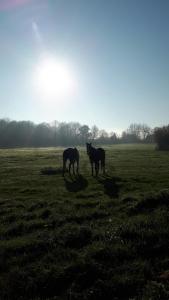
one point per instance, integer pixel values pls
(84, 237)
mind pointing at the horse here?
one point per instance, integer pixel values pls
(96, 156)
(71, 154)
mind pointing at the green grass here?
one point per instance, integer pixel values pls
(86, 237)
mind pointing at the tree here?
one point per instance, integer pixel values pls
(129, 137)
(84, 133)
(94, 132)
(113, 138)
(103, 137)
(145, 131)
(42, 135)
(140, 131)
(3, 127)
(74, 132)
(103, 133)
(161, 137)
(64, 138)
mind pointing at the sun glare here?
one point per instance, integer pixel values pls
(54, 79)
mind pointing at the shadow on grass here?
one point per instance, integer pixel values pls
(75, 183)
(51, 171)
(111, 185)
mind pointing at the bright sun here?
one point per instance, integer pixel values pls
(54, 79)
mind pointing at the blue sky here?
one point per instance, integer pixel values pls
(119, 50)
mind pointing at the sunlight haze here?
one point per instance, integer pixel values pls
(107, 61)
(54, 80)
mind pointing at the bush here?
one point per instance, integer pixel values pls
(161, 136)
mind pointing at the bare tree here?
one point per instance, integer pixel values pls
(84, 133)
(94, 132)
(141, 131)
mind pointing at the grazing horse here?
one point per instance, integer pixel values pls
(96, 156)
(71, 154)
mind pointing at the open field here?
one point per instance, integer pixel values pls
(85, 237)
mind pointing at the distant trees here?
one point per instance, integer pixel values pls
(114, 138)
(84, 133)
(94, 132)
(15, 134)
(42, 135)
(28, 134)
(129, 138)
(137, 133)
(161, 137)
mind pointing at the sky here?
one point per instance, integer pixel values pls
(117, 52)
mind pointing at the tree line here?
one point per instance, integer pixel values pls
(29, 134)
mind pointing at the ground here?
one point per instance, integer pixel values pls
(84, 237)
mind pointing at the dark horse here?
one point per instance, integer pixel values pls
(71, 154)
(96, 156)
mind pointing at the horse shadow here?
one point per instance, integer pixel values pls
(75, 183)
(51, 171)
(111, 184)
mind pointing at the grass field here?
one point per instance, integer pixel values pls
(84, 238)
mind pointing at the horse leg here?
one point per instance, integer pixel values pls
(69, 167)
(73, 168)
(103, 165)
(77, 169)
(64, 167)
(92, 168)
(97, 168)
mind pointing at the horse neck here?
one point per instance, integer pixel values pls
(92, 150)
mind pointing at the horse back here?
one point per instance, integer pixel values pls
(71, 153)
(101, 153)
(97, 155)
